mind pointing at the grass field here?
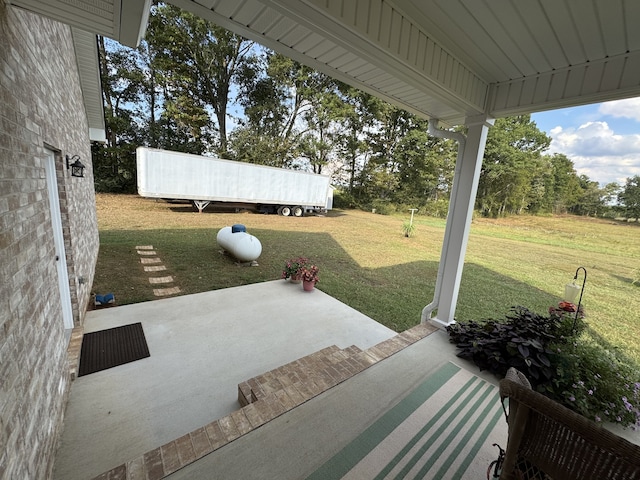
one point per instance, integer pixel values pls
(366, 262)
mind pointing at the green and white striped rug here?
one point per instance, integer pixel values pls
(444, 429)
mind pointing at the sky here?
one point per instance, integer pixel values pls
(602, 140)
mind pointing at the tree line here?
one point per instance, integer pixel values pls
(194, 87)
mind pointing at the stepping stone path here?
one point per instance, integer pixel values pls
(153, 264)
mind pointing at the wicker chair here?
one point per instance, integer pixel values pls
(547, 440)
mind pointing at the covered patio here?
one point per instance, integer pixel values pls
(454, 62)
(158, 417)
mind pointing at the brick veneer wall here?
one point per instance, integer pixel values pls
(40, 105)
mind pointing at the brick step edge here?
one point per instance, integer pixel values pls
(161, 462)
(338, 366)
(299, 370)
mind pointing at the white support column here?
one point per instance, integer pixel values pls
(461, 203)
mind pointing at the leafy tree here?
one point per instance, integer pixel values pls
(205, 61)
(178, 120)
(567, 190)
(512, 160)
(114, 162)
(425, 167)
(379, 177)
(185, 126)
(610, 193)
(351, 139)
(274, 95)
(591, 201)
(542, 193)
(320, 141)
(629, 198)
(173, 92)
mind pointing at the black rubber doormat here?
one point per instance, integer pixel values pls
(112, 347)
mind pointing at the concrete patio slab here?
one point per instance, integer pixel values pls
(201, 347)
(294, 445)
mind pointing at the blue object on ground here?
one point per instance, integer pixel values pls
(103, 299)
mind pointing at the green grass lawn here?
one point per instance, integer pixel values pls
(366, 262)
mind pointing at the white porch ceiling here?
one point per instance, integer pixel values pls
(444, 59)
(123, 20)
(86, 48)
(453, 59)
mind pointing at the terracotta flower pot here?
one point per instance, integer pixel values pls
(308, 286)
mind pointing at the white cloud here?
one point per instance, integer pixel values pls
(594, 138)
(598, 152)
(628, 108)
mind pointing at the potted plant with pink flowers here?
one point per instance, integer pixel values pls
(293, 267)
(309, 276)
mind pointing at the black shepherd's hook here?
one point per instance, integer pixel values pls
(496, 464)
(584, 282)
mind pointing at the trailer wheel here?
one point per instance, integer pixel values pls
(286, 211)
(298, 211)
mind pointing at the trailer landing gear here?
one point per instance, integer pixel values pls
(200, 205)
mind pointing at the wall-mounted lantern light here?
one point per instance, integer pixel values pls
(77, 168)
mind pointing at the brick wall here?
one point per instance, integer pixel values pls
(40, 105)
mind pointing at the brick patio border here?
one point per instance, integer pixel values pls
(167, 459)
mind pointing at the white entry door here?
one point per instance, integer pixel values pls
(58, 238)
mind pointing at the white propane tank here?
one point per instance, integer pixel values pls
(239, 243)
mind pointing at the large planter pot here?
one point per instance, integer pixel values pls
(308, 286)
(295, 279)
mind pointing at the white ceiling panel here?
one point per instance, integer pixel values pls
(249, 12)
(311, 41)
(296, 36)
(122, 20)
(445, 59)
(86, 50)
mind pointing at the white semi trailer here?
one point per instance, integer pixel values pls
(204, 180)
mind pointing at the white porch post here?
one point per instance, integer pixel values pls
(461, 203)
